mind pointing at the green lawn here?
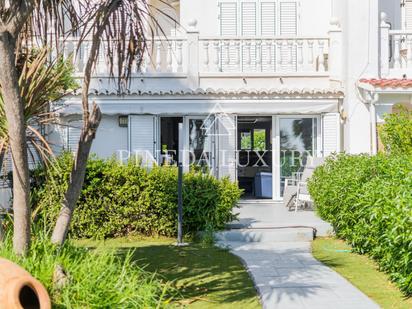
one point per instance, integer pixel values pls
(204, 277)
(361, 271)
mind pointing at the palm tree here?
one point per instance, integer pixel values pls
(41, 81)
(122, 24)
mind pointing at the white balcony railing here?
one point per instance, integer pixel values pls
(396, 51)
(194, 56)
(283, 55)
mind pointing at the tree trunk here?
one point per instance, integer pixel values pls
(14, 110)
(76, 178)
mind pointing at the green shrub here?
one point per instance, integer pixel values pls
(118, 199)
(95, 278)
(368, 200)
(396, 132)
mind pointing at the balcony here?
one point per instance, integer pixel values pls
(191, 58)
(396, 52)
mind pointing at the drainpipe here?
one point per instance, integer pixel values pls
(370, 99)
(374, 136)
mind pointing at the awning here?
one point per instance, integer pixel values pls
(123, 106)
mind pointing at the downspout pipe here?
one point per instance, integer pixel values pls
(370, 98)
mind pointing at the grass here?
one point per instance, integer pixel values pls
(93, 279)
(203, 276)
(361, 271)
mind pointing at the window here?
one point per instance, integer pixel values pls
(245, 140)
(259, 139)
(258, 17)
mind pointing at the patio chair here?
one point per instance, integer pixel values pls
(296, 193)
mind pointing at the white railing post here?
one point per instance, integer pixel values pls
(321, 45)
(397, 52)
(385, 52)
(335, 50)
(409, 53)
(237, 61)
(300, 55)
(192, 60)
(216, 56)
(179, 56)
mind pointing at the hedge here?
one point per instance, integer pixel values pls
(368, 200)
(121, 199)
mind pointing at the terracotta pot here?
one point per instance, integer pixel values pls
(18, 289)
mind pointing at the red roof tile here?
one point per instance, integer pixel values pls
(388, 83)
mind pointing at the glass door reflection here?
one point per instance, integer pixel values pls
(298, 140)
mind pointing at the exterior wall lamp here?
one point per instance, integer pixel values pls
(123, 121)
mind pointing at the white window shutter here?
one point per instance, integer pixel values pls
(249, 18)
(228, 19)
(142, 137)
(74, 130)
(408, 15)
(288, 18)
(331, 134)
(288, 27)
(268, 18)
(248, 13)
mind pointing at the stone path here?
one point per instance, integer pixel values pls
(275, 246)
(287, 276)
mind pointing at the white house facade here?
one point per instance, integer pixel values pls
(249, 88)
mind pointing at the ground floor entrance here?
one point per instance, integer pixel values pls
(273, 149)
(259, 151)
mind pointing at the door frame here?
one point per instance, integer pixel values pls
(276, 147)
(186, 142)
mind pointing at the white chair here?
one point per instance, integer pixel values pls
(296, 193)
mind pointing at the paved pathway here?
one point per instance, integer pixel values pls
(285, 273)
(287, 276)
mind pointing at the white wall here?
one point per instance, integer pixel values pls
(110, 138)
(359, 21)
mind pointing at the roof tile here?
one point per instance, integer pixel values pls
(388, 83)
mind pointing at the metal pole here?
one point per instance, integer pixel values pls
(180, 205)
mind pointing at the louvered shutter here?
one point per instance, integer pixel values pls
(248, 13)
(408, 15)
(288, 11)
(142, 137)
(268, 29)
(331, 134)
(228, 27)
(74, 130)
(228, 19)
(227, 146)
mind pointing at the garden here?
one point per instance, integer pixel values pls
(368, 200)
(128, 213)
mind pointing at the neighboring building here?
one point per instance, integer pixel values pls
(250, 86)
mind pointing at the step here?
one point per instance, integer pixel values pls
(266, 235)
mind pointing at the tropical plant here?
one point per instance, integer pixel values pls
(41, 81)
(121, 24)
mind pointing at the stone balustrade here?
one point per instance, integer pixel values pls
(396, 51)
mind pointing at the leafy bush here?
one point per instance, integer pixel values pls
(396, 132)
(118, 199)
(368, 200)
(95, 279)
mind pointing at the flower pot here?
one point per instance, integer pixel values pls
(18, 289)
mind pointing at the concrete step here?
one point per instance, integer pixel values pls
(266, 235)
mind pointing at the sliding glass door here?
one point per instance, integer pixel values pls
(297, 138)
(200, 143)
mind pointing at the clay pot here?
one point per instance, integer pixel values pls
(18, 289)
